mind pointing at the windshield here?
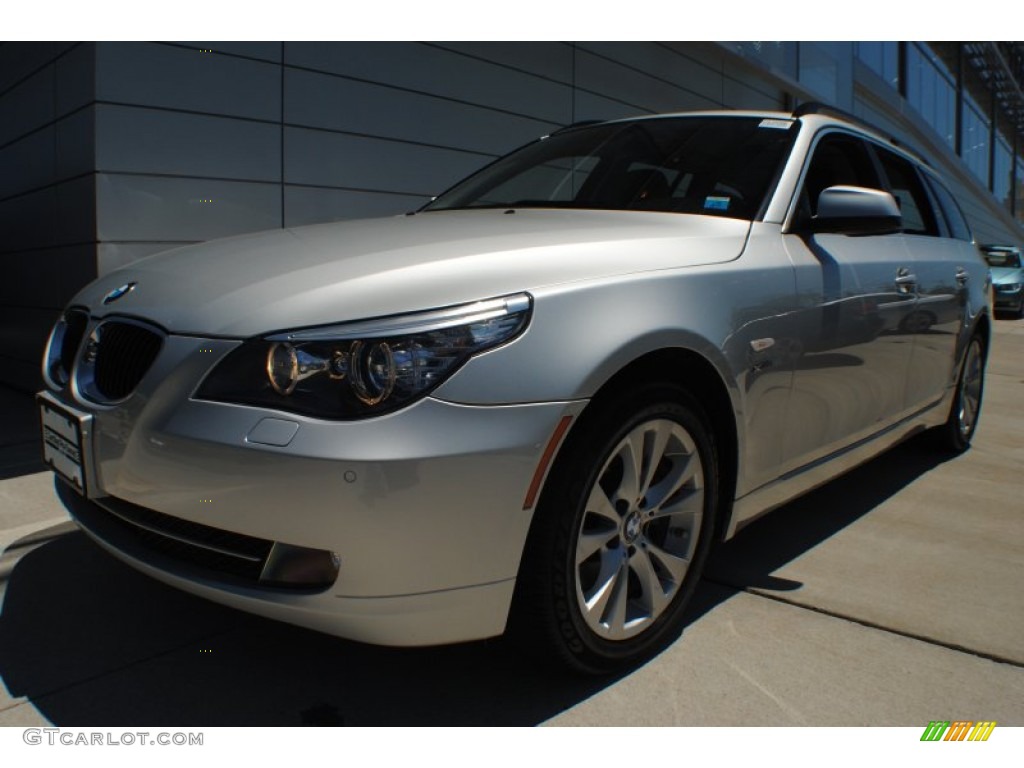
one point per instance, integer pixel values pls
(1003, 259)
(720, 166)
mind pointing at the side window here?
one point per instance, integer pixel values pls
(839, 159)
(906, 186)
(954, 216)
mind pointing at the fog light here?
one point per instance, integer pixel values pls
(300, 566)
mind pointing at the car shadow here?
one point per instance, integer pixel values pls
(749, 559)
(91, 642)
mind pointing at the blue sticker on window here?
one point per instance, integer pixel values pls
(716, 203)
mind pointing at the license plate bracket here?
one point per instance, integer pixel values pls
(67, 437)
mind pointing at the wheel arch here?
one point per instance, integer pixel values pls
(700, 377)
(540, 616)
(983, 325)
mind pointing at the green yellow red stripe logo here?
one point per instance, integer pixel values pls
(958, 730)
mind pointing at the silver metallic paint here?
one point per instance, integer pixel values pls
(431, 528)
(353, 271)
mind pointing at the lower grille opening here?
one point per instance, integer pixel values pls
(199, 544)
(177, 545)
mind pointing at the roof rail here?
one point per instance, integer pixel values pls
(820, 108)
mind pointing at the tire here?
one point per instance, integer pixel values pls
(956, 434)
(614, 553)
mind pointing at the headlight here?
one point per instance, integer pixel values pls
(1009, 287)
(364, 369)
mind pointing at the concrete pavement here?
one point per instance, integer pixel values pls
(892, 596)
(27, 504)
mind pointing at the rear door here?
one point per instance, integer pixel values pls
(941, 276)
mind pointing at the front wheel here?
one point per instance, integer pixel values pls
(621, 533)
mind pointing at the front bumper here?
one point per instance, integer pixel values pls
(434, 618)
(423, 508)
(1007, 298)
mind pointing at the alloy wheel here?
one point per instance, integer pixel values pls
(639, 529)
(970, 390)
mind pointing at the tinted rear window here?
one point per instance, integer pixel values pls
(950, 210)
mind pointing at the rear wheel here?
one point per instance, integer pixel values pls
(958, 431)
(621, 533)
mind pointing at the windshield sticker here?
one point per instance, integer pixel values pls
(716, 203)
(772, 122)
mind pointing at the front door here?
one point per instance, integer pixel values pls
(857, 295)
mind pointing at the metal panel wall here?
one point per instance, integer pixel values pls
(200, 140)
(47, 201)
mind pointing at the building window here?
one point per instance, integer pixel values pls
(1002, 172)
(827, 70)
(882, 58)
(931, 90)
(780, 56)
(974, 143)
(1018, 205)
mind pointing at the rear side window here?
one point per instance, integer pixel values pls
(954, 216)
(906, 186)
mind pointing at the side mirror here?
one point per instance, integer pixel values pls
(856, 211)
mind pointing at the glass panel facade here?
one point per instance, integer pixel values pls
(1018, 204)
(974, 142)
(931, 90)
(827, 69)
(1002, 171)
(882, 58)
(777, 55)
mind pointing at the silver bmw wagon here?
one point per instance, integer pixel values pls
(533, 405)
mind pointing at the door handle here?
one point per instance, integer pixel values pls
(962, 276)
(905, 280)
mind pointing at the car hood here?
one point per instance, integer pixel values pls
(330, 273)
(1007, 275)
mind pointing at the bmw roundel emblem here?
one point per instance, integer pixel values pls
(117, 293)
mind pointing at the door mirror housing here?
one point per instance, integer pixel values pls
(845, 210)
